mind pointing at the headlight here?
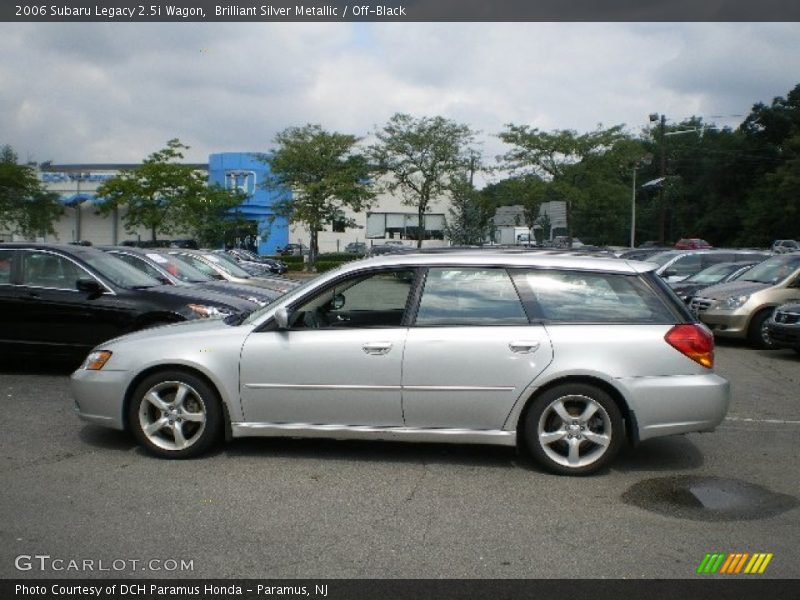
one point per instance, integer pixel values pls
(733, 302)
(96, 360)
(201, 311)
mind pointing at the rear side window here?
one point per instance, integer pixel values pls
(584, 297)
(467, 296)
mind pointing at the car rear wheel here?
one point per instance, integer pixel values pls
(175, 415)
(574, 429)
(758, 334)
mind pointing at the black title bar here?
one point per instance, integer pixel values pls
(398, 10)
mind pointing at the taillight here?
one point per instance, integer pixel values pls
(695, 341)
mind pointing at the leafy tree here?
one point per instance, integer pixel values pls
(469, 215)
(26, 207)
(316, 174)
(160, 194)
(422, 158)
(588, 171)
(210, 216)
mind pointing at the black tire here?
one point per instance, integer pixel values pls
(576, 446)
(757, 333)
(186, 407)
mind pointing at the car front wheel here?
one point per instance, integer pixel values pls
(574, 429)
(175, 415)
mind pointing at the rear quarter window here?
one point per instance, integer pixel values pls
(587, 297)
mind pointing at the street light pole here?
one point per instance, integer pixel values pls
(633, 209)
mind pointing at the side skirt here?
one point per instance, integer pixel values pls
(371, 432)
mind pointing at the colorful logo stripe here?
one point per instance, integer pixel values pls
(735, 563)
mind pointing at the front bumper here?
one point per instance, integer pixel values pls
(784, 336)
(726, 323)
(100, 396)
(670, 405)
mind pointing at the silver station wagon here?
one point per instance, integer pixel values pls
(566, 357)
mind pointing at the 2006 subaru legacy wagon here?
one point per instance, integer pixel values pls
(566, 356)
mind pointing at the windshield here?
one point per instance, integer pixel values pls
(177, 267)
(773, 269)
(713, 274)
(662, 258)
(118, 271)
(227, 264)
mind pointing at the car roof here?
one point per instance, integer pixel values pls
(499, 258)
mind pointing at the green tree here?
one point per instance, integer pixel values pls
(316, 174)
(422, 158)
(588, 171)
(210, 216)
(160, 193)
(26, 207)
(469, 215)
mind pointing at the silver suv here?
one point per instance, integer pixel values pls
(568, 357)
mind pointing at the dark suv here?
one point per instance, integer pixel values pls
(64, 300)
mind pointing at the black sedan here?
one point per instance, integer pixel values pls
(64, 300)
(784, 326)
(171, 269)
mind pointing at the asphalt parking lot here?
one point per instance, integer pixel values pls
(319, 509)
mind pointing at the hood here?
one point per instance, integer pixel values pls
(240, 289)
(734, 288)
(196, 295)
(163, 333)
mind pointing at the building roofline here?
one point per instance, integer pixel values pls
(71, 168)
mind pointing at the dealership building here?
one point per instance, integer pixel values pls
(388, 218)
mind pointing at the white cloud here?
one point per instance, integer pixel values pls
(110, 92)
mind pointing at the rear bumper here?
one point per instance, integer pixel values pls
(671, 405)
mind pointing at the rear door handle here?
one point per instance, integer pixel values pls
(377, 347)
(524, 346)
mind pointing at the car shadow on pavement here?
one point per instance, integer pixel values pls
(662, 454)
(106, 439)
(32, 366)
(373, 451)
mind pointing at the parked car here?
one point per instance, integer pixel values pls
(719, 273)
(741, 308)
(783, 326)
(277, 267)
(692, 244)
(390, 247)
(222, 268)
(784, 246)
(642, 253)
(356, 248)
(293, 250)
(567, 356)
(171, 269)
(61, 300)
(677, 265)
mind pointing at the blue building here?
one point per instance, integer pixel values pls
(244, 171)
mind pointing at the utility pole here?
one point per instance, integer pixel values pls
(662, 218)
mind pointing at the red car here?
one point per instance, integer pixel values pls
(692, 244)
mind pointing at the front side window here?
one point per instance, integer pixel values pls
(469, 296)
(48, 270)
(374, 300)
(583, 297)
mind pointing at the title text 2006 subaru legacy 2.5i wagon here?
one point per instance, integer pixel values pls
(567, 356)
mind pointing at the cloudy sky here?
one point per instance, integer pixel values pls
(115, 92)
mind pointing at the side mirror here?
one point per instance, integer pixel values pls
(669, 273)
(89, 286)
(282, 318)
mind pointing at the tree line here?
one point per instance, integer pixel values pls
(731, 187)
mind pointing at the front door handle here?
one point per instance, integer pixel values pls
(377, 348)
(524, 346)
